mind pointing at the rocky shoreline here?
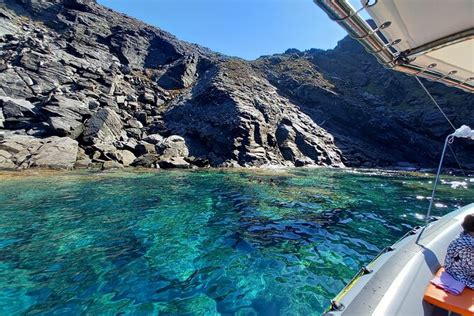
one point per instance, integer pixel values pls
(82, 86)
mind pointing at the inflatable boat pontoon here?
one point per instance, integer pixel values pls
(431, 39)
(394, 283)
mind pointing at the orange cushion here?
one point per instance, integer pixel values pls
(462, 304)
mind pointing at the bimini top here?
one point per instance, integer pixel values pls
(433, 39)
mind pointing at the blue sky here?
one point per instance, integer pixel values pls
(243, 28)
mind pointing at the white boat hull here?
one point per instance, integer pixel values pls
(398, 278)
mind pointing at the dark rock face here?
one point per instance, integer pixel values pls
(378, 117)
(232, 116)
(112, 91)
(181, 75)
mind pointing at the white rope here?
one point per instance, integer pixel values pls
(436, 103)
(448, 141)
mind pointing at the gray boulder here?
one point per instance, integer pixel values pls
(125, 157)
(66, 116)
(153, 139)
(108, 165)
(134, 133)
(105, 151)
(6, 160)
(56, 153)
(146, 161)
(108, 152)
(22, 151)
(145, 148)
(104, 126)
(83, 161)
(173, 146)
(63, 106)
(173, 162)
(130, 144)
(66, 126)
(16, 107)
(134, 123)
(147, 97)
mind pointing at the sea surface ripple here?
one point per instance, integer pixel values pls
(208, 242)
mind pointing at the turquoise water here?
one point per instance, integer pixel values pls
(200, 242)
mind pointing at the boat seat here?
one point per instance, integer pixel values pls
(462, 304)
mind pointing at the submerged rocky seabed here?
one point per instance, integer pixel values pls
(243, 242)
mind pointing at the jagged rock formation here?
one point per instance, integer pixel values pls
(235, 116)
(378, 117)
(83, 86)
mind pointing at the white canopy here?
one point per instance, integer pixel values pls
(434, 32)
(433, 39)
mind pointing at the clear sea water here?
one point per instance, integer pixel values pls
(280, 242)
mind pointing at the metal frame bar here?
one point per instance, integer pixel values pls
(343, 13)
(449, 140)
(432, 75)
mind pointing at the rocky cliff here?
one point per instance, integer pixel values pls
(378, 117)
(83, 86)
